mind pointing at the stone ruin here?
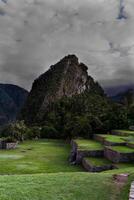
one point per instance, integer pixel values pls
(78, 156)
(7, 145)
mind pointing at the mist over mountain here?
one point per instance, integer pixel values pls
(115, 90)
(126, 97)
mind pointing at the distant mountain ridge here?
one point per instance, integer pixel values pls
(126, 98)
(12, 98)
(115, 90)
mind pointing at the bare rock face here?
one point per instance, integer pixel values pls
(66, 78)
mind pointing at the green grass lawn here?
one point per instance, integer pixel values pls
(39, 170)
(59, 186)
(98, 161)
(124, 132)
(123, 149)
(132, 142)
(84, 144)
(32, 157)
(114, 138)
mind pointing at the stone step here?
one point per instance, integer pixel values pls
(131, 194)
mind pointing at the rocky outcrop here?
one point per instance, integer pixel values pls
(67, 78)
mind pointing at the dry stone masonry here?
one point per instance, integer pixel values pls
(118, 157)
(114, 152)
(7, 145)
(92, 168)
(77, 155)
(131, 194)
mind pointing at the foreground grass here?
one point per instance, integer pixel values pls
(42, 172)
(98, 161)
(45, 156)
(59, 186)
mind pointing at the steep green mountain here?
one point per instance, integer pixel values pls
(12, 99)
(65, 79)
(67, 102)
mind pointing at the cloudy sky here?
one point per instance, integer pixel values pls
(35, 34)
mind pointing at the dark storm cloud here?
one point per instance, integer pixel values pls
(37, 33)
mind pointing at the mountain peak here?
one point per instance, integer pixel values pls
(65, 79)
(71, 57)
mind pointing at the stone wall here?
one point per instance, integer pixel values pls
(103, 140)
(11, 145)
(1, 146)
(85, 153)
(131, 145)
(117, 133)
(117, 157)
(131, 128)
(91, 168)
(73, 153)
(5, 145)
(108, 143)
(131, 194)
(99, 138)
(77, 155)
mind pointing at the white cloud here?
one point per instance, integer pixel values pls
(37, 33)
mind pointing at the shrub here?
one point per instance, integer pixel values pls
(49, 132)
(9, 139)
(86, 114)
(33, 132)
(15, 130)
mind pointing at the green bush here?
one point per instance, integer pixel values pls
(9, 139)
(49, 132)
(86, 114)
(17, 130)
(33, 132)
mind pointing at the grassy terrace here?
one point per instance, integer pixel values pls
(32, 157)
(125, 165)
(39, 170)
(114, 138)
(123, 149)
(125, 132)
(98, 161)
(88, 145)
(132, 142)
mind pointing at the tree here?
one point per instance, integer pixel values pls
(17, 130)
